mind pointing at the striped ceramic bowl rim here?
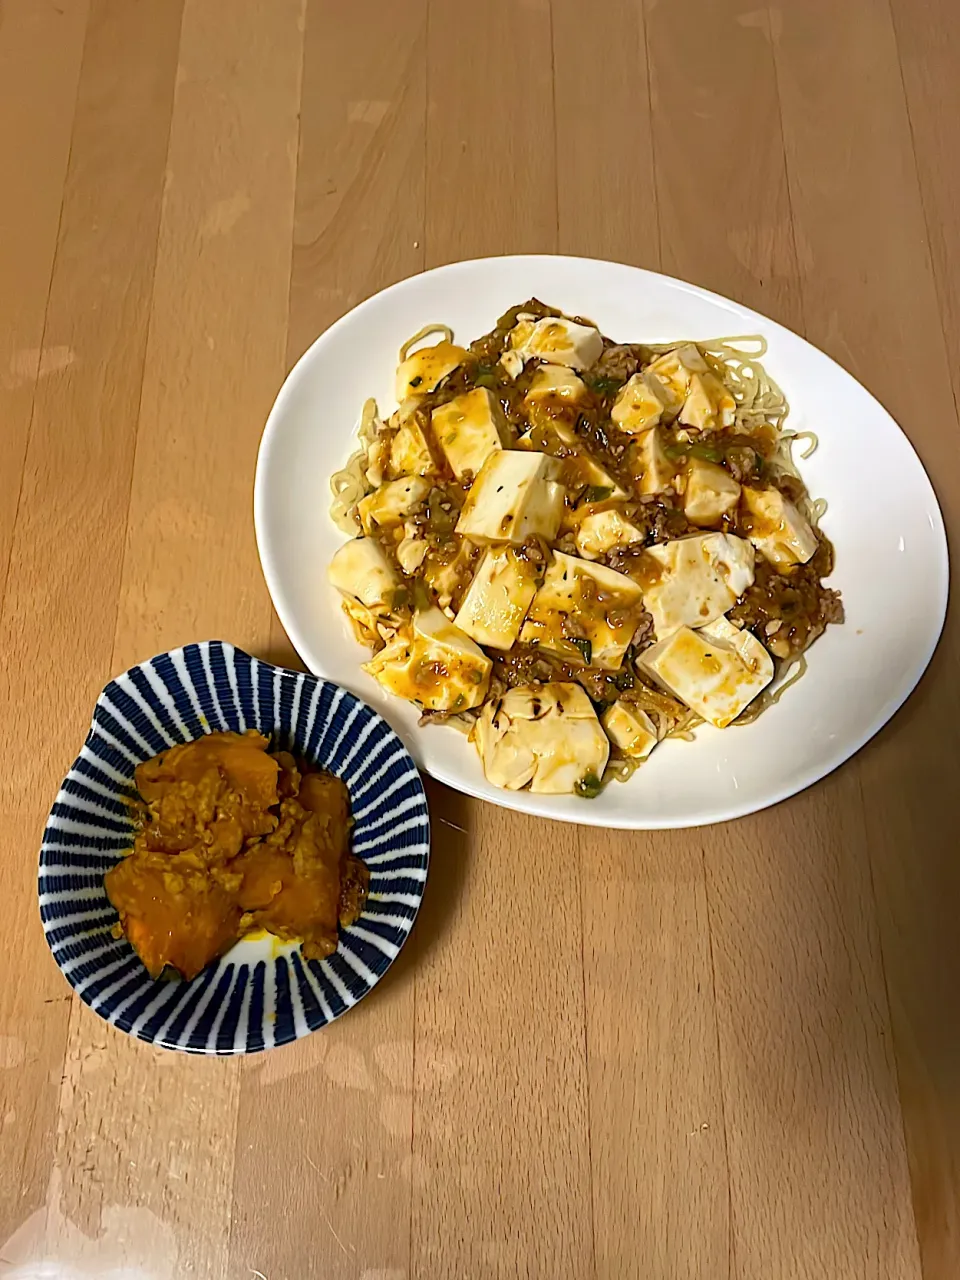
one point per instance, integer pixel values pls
(261, 993)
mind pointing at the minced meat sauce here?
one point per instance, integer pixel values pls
(787, 608)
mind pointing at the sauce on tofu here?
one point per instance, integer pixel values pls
(647, 490)
(232, 838)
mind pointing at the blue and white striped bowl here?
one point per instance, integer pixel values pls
(262, 992)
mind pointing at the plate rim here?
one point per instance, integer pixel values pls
(509, 799)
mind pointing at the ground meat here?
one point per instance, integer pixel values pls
(620, 362)
(792, 487)
(525, 664)
(535, 551)
(643, 637)
(741, 462)
(787, 609)
(667, 523)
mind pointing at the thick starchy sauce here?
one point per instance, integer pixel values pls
(787, 608)
(232, 838)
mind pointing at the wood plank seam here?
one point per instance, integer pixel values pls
(43, 331)
(788, 182)
(923, 201)
(642, 15)
(586, 1035)
(721, 1071)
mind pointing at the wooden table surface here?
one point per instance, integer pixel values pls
(731, 1052)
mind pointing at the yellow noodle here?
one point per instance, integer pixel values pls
(350, 484)
(773, 696)
(425, 332)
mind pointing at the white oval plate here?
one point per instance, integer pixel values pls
(883, 519)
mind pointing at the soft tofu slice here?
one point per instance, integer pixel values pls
(654, 469)
(642, 402)
(709, 405)
(547, 736)
(700, 579)
(578, 470)
(602, 531)
(556, 340)
(498, 598)
(410, 452)
(556, 382)
(512, 363)
(710, 493)
(361, 571)
(410, 553)
(390, 505)
(717, 671)
(515, 496)
(424, 370)
(603, 606)
(468, 429)
(677, 367)
(776, 527)
(630, 729)
(435, 666)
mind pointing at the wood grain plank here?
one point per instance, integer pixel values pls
(360, 175)
(871, 299)
(809, 1205)
(499, 1072)
(928, 42)
(501, 1170)
(147, 1138)
(818, 1175)
(606, 180)
(57, 627)
(714, 98)
(657, 1133)
(491, 166)
(656, 1110)
(41, 45)
(344, 1099)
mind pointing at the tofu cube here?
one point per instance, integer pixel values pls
(556, 340)
(435, 665)
(709, 405)
(410, 553)
(360, 571)
(520, 334)
(390, 505)
(642, 402)
(654, 471)
(410, 451)
(555, 382)
(544, 736)
(776, 528)
(578, 469)
(512, 362)
(585, 613)
(515, 496)
(629, 729)
(424, 370)
(700, 579)
(468, 429)
(602, 531)
(498, 598)
(677, 367)
(710, 493)
(717, 671)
